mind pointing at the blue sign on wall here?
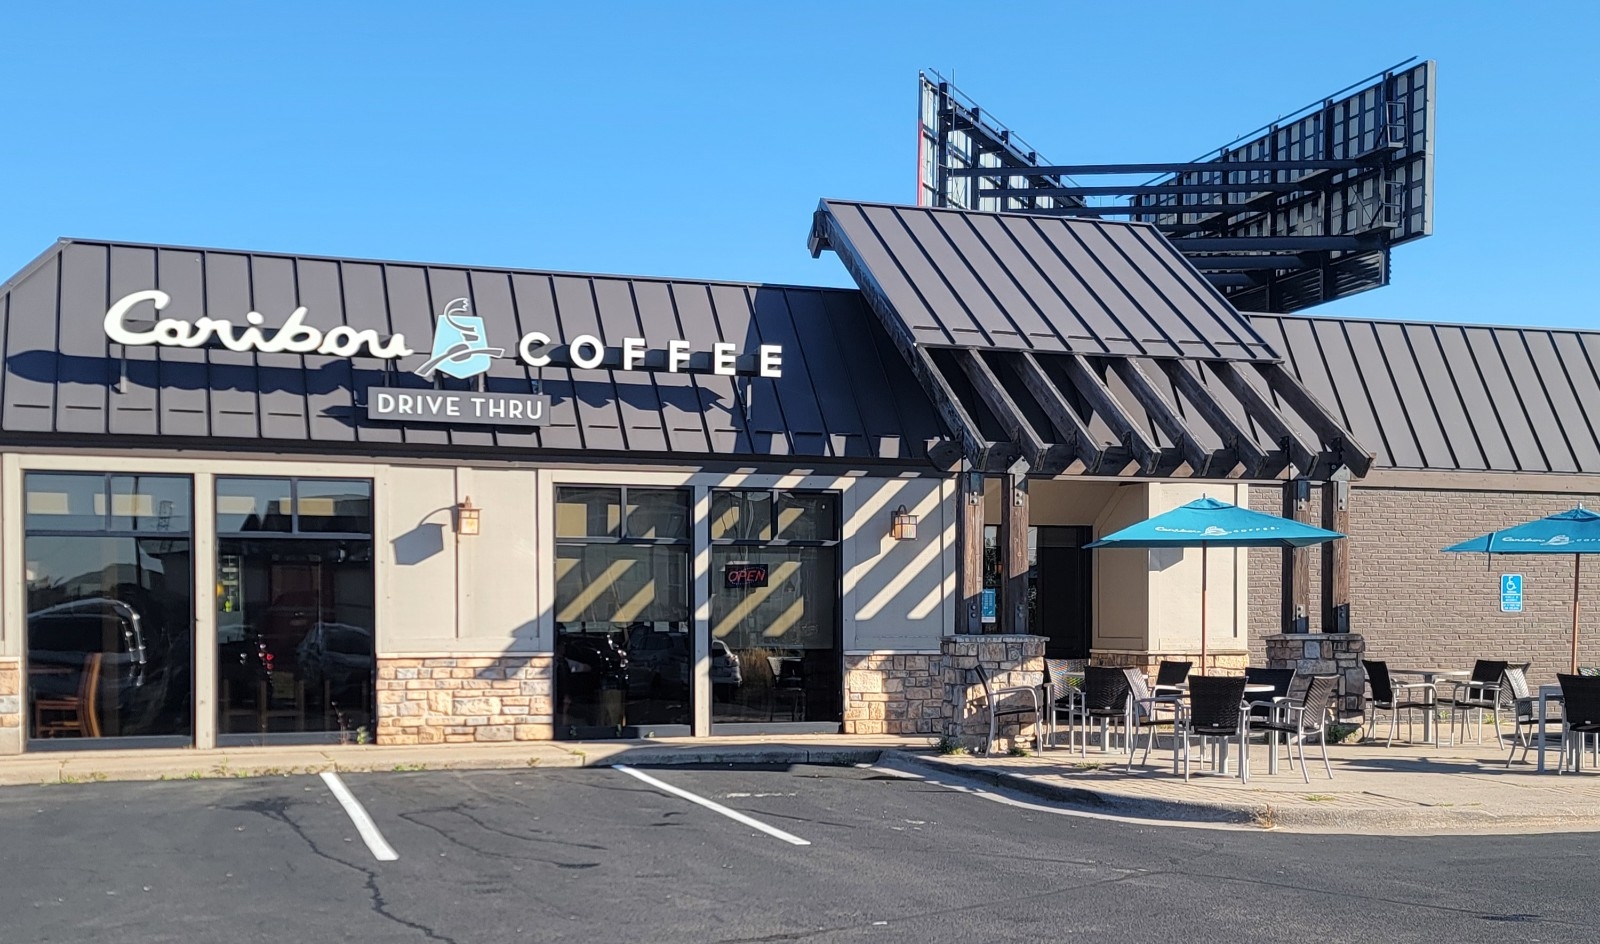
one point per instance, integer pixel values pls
(1511, 593)
(989, 606)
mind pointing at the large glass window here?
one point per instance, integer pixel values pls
(623, 616)
(110, 605)
(295, 598)
(775, 652)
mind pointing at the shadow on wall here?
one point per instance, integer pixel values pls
(420, 543)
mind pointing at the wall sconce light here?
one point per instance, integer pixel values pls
(467, 517)
(904, 527)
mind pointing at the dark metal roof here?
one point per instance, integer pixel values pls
(1029, 283)
(1452, 397)
(844, 392)
(1050, 342)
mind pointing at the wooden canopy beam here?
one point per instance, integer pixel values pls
(1072, 430)
(1005, 409)
(1104, 402)
(1165, 416)
(1216, 415)
(1302, 455)
(1335, 437)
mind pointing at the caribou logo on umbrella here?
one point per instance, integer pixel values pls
(459, 346)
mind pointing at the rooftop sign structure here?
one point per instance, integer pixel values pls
(1303, 211)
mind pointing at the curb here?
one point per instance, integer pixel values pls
(1096, 801)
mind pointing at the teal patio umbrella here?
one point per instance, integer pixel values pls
(1207, 523)
(1575, 532)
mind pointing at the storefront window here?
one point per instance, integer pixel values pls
(623, 616)
(775, 653)
(110, 605)
(295, 598)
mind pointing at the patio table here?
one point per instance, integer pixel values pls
(1547, 694)
(1220, 749)
(1429, 677)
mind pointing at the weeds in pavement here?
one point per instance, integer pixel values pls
(1017, 750)
(950, 745)
(1319, 797)
(408, 768)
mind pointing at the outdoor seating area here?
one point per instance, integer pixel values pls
(1174, 721)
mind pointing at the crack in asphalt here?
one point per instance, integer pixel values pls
(277, 810)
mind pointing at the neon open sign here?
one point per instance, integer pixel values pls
(739, 576)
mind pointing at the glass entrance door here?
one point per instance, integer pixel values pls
(1060, 586)
(776, 660)
(623, 650)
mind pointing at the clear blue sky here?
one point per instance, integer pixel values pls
(693, 139)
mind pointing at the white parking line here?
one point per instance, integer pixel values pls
(714, 807)
(381, 850)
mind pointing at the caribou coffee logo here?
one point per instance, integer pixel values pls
(460, 345)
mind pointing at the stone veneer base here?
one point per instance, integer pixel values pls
(887, 693)
(10, 706)
(465, 698)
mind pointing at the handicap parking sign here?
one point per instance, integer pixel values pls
(1511, 593)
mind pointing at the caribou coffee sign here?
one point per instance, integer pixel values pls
(461, 349)
(461, 346)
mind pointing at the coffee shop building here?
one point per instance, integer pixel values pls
(253, 498)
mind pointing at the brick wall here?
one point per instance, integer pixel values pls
(893, 694)
(1421, 607)
(459, 699)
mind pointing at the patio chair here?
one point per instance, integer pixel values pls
(1306, 715)
(1170, 676)
(1261, 705)
(1105, 699)
(1580, 716)
(1147, 711)
(1519, 699)
(997, 709)
(1387, 696)
(1064, 681)
(1216, 712)
(1479, 694)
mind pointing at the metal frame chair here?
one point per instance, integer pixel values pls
(1170, 676)
(1063, 690)
(1580, 717)
(1479, 694)
(1523, 704)
(1386, 696)
(991, 699)
(1216, 711)
(1144, 709)
(1309, 714)
(1104, 699)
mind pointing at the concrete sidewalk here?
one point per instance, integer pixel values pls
(1407, 788)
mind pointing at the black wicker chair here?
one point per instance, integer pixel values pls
(1105, 699)
(1306, 715)
(1387, 696)
(1216, 712)
(1261, 705)
(1580, 716)
(1480, 694)
(1170, 676)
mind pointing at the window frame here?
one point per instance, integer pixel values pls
(622, 526)
(294, 532)
(772, 522)
(105, 530)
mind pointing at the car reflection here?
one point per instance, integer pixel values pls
(136, 666)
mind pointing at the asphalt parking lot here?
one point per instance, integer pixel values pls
(827, 854)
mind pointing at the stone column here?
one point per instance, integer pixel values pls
(1010, 661)
(1324, 654)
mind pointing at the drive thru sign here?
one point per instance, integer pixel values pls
(1511, 593)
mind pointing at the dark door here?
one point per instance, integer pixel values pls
(1061, 591)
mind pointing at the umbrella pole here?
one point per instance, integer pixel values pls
(1577, 569)
(1204, 580)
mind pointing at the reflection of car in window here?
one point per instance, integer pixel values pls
(135, 669)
